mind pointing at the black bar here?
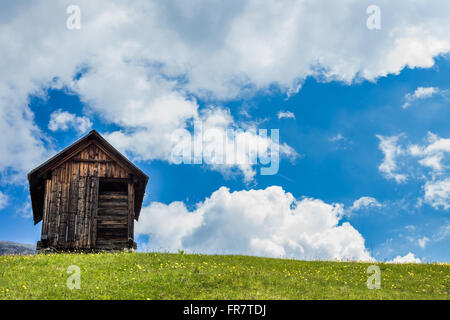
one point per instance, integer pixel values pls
(238, 309)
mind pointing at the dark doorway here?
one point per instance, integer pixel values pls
(112, 213)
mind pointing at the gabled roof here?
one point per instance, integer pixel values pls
(37, 176)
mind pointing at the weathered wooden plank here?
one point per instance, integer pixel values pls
(73, 202)
(87, 212)
(63, 214)
(102, 166)
(97, 153)
(62, 172)
(117, 201)
(112, 212)
(57, 216)
(121, 238)
(111, 224)
(94, 211)
(111, 242)
(92, 152)
(116, 197)
(113, 170)
(81, 209)
(111, 204)
(51, 208)
(44, 231)
(93, 161)
(85, 165)
(123, 173)
(82, 163)
(121, 219)
(91, 157)
(107, 169)
(113, 232)
(130, 210)
(67, 172)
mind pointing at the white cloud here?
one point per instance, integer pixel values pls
(443, 233)
(26, 211)
(22, 145)
(214, 121)
(338, 137)
(437, 193)
(167, 224)
(419, 94)
(268, 222)
(391, 150)
(365, 202)
(63, 120)
(422, 242)
(286, 115)
(409, 258)
(3, 200)
(423, 93)
(402, 161)
(340, 142)
(434, 155)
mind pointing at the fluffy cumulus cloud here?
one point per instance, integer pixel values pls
(409, 258)
(267, 222)
(64, 120)
(143, 65)
(430, 163)
(23, 145)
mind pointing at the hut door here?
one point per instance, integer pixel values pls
(112, 214)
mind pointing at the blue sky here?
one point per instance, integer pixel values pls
(376, 131)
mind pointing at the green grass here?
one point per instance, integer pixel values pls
(182, 276)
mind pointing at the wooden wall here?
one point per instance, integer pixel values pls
(71, 201)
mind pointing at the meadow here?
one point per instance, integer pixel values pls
(192, 276)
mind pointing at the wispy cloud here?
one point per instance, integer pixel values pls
(338, 137)
(3, 200)
(286, 115)
(420, 93)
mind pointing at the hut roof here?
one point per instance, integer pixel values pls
(37, 176)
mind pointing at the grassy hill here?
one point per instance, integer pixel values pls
(182, 276)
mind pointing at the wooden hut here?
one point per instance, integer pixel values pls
(87, 197)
